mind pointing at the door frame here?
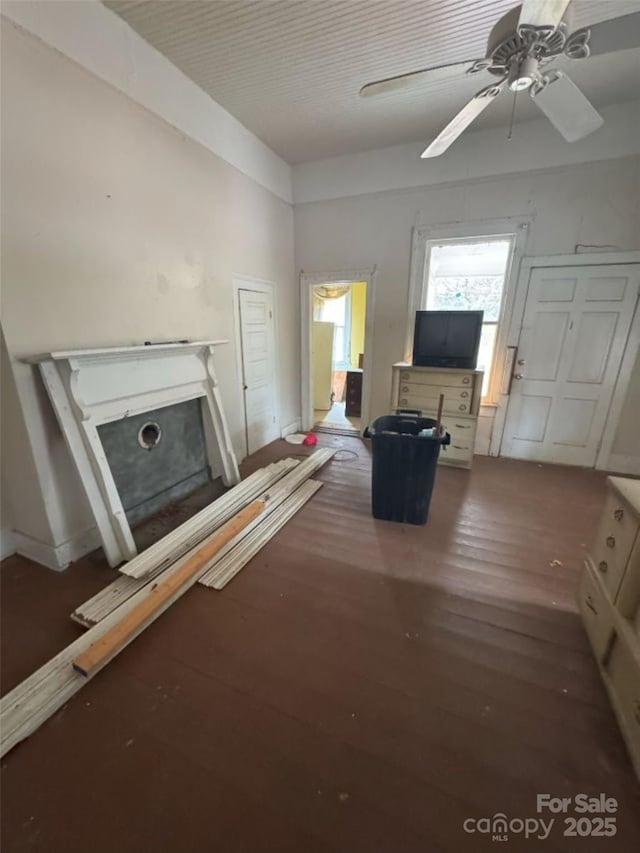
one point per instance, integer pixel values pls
(258, 285)
(632, 346)
(307, 282)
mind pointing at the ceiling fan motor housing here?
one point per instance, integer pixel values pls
(509, 46)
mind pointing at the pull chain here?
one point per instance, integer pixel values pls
(513, 112)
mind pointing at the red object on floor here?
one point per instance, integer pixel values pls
(310, 439)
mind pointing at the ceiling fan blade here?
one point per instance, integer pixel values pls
(607, 37)
(416, 78)
(542, 13)
(568, 110)
(462, 120)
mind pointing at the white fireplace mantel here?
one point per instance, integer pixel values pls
(95, 386)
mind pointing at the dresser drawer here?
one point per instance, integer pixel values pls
(420, 401)
(596, 612)
(462, 430)
(433, 391)
(614, 540)
(433, 378)
(623, 675)
(455, 452)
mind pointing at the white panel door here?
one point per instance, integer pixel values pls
(574, 331)
(258, 368)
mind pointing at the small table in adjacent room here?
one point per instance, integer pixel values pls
(353, 395)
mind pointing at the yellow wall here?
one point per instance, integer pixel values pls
(358, 308)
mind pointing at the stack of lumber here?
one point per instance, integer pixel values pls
(231, 531)
(148, 565)
(227, 563)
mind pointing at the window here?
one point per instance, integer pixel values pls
(470, 275)
(337, 311)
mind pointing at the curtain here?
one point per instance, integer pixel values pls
(323, 292)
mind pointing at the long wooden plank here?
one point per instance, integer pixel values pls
(41, 694)
(90, 612)
(223, 570)
(179, 541)
(120, 635)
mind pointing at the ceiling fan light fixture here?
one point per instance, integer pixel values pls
(523, 74)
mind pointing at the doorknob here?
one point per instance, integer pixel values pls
(245, 387)
(521, 361)
(517, 376)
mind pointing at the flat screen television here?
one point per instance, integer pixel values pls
(447, 338)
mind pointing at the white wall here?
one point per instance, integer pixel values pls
(590, 203)
(116, 229)
(100, 41)
(477, 154)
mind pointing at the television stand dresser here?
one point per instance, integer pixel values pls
(420, 388)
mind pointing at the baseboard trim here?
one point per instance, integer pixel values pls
(621, 463)
(56, 557)
(294, 426)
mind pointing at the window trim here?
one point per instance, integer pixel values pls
(514, 228)
(488, 399)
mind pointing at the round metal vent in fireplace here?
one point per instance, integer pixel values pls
(149, 435)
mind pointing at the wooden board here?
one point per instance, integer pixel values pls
(179, 541)
(225, 568)
(124, 631)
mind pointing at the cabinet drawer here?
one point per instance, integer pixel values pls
(435, 378)
(457, 451)
(461, 430)
(623, 673)
(596, 612)
(433, 391)
(614, 540)
(418, 401)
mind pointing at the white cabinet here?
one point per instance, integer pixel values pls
(420, 388)
(609, 601)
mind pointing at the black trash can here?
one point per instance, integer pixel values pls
(404, 467)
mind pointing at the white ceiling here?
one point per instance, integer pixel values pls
(291, 70)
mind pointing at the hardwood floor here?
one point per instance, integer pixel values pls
(361, 686)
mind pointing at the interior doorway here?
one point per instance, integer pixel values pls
(336, 317)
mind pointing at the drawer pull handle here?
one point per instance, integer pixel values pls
(464, 394)
(464, 426)
(403, 401)
(603, 567)
(618, 514)
(459, 447)
(611, 541)
(589, 602)
(462, 407)
(405, 388)
(466, 380)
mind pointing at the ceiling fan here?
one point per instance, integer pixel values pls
(520, 48)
